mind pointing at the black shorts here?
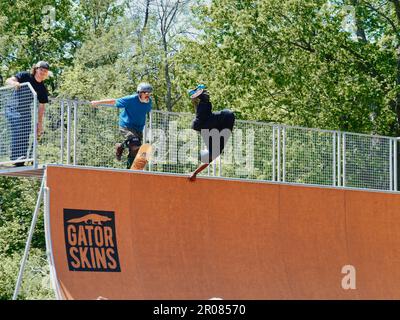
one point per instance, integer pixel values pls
(222, 122)
(131, 136)
(224, 119)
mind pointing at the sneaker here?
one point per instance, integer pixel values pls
(20, 164)
(119, 148)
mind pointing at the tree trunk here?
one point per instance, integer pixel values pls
(168, 97)
(359, 26)
(146, 15)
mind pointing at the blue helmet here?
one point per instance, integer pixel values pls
(144, 87)
(194, 93)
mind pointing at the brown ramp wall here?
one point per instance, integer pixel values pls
(167, 238)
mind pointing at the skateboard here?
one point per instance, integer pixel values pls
(142, 157)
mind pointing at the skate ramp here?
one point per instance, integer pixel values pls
(138, 235)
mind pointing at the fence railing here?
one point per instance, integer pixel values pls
(18, 114)
(77, 133)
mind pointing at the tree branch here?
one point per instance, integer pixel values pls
(397, 8)
(360, 30)
(390, 21)
(146, 15)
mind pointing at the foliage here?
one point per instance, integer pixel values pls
(292, 62)
(102, 66)
(38, 30)
(136, 47)
(17, 202)
(36, 280)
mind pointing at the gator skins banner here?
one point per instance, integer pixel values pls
(90, 240)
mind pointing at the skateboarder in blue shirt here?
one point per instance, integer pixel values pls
(132, 119)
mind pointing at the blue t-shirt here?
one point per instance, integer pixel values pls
(133, 113)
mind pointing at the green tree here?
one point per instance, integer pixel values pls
(17, 201)
(39, 30)
(138, 46)
(101, 66)
(295, 62)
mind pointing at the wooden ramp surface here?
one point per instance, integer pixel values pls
(129, 235)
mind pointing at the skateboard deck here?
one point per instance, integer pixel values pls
(143, 156)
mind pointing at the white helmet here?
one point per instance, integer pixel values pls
(144, 87)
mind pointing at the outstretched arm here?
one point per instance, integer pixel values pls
(105, 101)
(197, 171)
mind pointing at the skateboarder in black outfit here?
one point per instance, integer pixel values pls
(214, 127)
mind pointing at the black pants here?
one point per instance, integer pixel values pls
(20, 125)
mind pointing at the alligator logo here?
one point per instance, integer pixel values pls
(92, 218)
(91, 240)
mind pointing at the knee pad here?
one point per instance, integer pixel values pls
(133, 141)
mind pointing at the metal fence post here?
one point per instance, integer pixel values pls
(75, 130)
(344, 160)
(283, 154)
(219, 166)
(68, 132)
(339, 159)
(29, 240)
(279, 154)
(150, 136)
(273, 153)
(395, 188)
(391, 158)
(334, 159)
(62, 131)
(49, 247)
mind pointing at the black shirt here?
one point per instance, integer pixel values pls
(203, 113)
(39, 87)
(203, 110)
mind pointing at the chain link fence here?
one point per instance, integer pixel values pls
(18, 112)
(77, 133)
(368, 161)
(308, 156)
